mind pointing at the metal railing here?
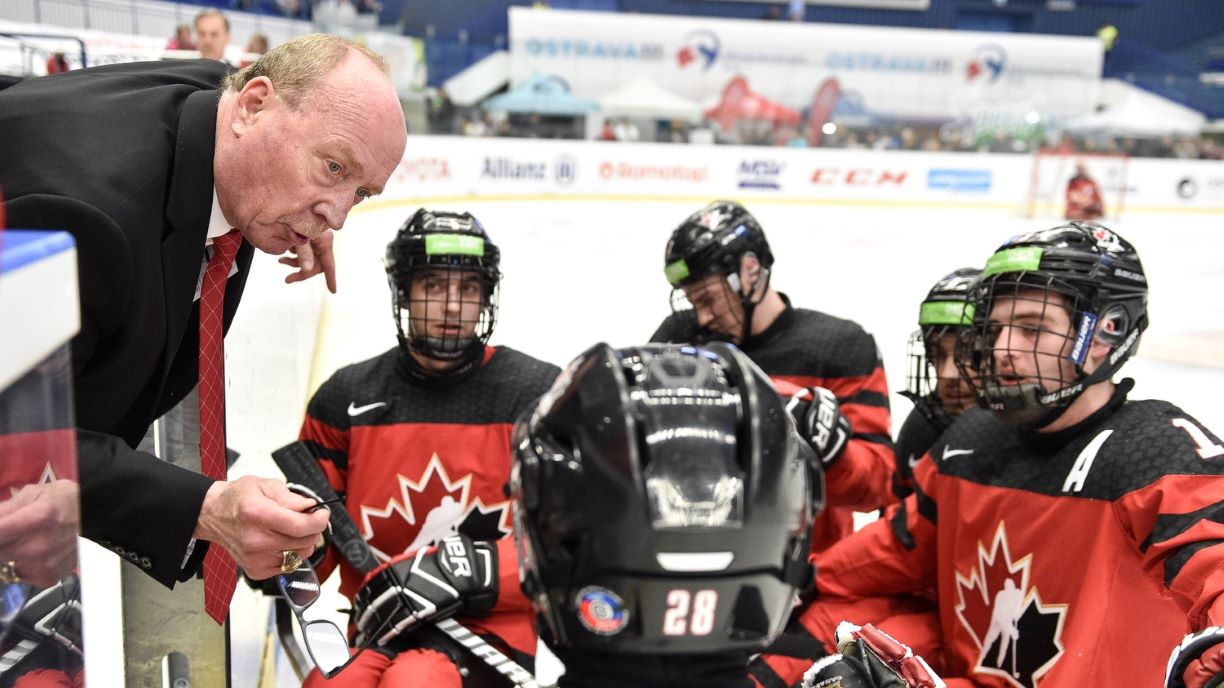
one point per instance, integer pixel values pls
(31, 51)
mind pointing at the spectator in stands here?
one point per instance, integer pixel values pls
(293, 8)
(475, 126)
(1108, 33)
(336, 12)
(626, 130)
(441, 112)
(181, 39)
(57, 63)
(257, 44)
(212, 34)
(909, 138)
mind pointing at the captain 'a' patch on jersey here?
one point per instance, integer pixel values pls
(1019, 635)
(434, 505)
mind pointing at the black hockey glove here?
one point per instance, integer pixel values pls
(870, 658)
(821, 422)
(1198, 661)
(432, 583)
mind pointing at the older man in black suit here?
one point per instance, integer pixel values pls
(146, 165)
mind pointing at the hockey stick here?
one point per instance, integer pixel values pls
(299, 466)
(478, 646)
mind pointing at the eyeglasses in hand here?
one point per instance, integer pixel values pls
(325, 642)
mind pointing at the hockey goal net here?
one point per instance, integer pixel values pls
(1075, 185)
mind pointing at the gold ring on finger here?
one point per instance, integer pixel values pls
(290, 561)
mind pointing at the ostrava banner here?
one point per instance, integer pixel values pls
(883, 73)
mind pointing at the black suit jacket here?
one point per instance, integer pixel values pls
(121, 156)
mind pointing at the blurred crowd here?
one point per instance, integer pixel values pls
(305, 9)
(445, 118)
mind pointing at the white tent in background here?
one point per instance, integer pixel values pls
(642, 98)
(1132, 111)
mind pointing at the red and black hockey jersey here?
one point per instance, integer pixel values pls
(417, 461)
(1084, 201)
(921, 428)
(1077, 558)
(808, 349)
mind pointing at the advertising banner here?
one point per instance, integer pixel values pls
(446, 167)
(877, 72)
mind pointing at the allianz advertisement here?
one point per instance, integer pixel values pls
(450, 168)
(877, 71)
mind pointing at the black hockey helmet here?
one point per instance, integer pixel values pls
(714, 240)
(1099, 275)
(946, 309)
(663, 503)
(439, 242)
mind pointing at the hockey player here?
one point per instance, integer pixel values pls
(939, 394)
(719, 262)
(1084, 198)
(1072, 534)
(934, 383)
(663, 506)
(417, 439)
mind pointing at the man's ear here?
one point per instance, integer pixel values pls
(750, 270)
(1102, 344)
(755, 277)
(256, 98)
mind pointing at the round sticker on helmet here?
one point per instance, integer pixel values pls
(601, 610)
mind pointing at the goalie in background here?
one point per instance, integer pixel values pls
(1084, 199)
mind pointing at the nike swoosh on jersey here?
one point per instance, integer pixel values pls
(354, 410)
(949, 452)
(913, 460)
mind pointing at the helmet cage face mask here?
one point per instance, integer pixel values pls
(445, 294)
(922, 375)
(1051, 379)
(661, 503)
(444, 279)
(1085, 270)
(945, 311)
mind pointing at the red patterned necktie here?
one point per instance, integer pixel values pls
(220, 572)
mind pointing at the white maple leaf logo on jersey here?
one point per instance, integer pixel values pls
(436, 506)
(1019, 637)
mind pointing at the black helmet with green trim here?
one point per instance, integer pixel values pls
(440, 246)
(946, 309)
(1103, 287)
(714, 240)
